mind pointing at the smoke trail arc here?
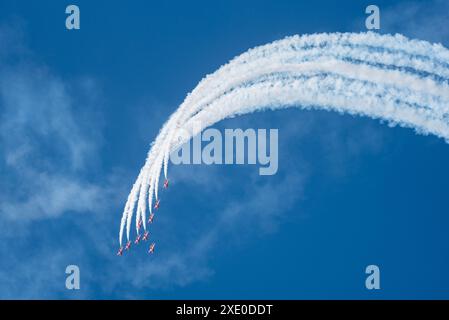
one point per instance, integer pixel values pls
(401, 81)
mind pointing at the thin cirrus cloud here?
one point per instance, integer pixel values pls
(45, 148)
(423, 20)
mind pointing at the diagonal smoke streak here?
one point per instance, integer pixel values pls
(385, 77)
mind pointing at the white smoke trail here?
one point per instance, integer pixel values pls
(385, 77)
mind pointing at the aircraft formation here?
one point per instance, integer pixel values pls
(146, 233)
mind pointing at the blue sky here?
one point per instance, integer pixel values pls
(78, 110)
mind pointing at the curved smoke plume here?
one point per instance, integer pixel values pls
(401, 81)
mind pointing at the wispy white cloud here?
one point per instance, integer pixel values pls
(418, 19)
(46, 146)
(50, 138)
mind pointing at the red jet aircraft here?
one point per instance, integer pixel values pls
(152, 248)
